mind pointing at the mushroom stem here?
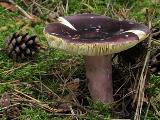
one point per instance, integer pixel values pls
(99, 76)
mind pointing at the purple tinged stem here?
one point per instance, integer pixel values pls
(99, 76)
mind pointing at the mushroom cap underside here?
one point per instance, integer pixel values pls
(91, 35)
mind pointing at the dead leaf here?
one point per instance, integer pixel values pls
(8, 6)
(73, 85)
(60, 106)
(27, 2)
(34, 18)
(156, 1)
(5, 100)
(68, 97)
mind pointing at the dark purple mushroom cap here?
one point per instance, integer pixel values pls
(92, 35)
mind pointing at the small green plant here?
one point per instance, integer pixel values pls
(5, 87)
(154, 84)
(34, 114)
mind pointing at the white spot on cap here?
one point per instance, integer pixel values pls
(99, 26)
(121, 30)
(65, 22)
(126, 35)
(140, 34)
(93, 27)
(92, 17)
(97, 29)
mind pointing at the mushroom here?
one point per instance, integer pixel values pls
(97, 38)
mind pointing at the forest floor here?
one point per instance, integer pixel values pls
(51, 85)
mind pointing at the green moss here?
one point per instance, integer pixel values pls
(85, 6)
(154, 88)
(4, 88)
(39, 114)
(34, 114)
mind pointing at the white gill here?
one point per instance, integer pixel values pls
(65, 22)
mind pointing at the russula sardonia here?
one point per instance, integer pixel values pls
(97, 38)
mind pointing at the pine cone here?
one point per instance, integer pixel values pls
(155, 57)
(22, 47)
(155, 62)
(156, 33)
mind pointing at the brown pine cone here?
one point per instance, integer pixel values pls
(22, 46)
(155, 62)
(155, 58)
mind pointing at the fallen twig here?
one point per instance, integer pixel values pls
(140, 88)
(48, 89)
(10, 71)
(30, 100)
(11, 82)
(31, 17)
(155, 109)
(146, 114)
(26, 96)
(14, 105)
(72, 111)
